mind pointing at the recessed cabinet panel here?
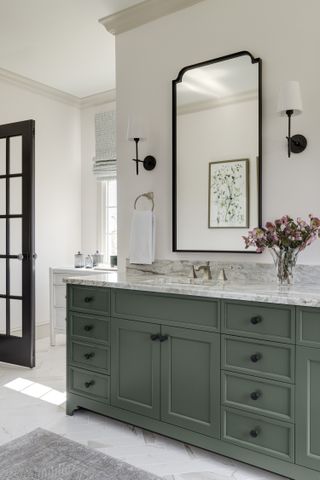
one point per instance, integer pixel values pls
(308, 413)
(265, 359)
(180, 309)
(90, 384)
(269, 322)
(92, 327)
(135, 367)
(90, 299)
(190, 380)
(308, 327)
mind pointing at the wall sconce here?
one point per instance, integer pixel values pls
(290, 104)
(136, 134)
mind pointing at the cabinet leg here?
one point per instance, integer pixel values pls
(70, 409)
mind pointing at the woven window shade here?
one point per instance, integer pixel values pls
(104, 163)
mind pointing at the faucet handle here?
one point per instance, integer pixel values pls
(192, 272)
(222, 277)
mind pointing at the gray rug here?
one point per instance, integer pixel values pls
(42, 455)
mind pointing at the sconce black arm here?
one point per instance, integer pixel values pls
(297, 143)
(149, 162)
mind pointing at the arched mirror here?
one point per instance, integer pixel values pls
(217, 154)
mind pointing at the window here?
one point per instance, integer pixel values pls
(109, 217)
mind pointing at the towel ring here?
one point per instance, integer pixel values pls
(148, 195)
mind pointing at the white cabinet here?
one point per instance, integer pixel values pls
(58, 296)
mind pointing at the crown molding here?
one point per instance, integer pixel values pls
(38, 87)
(142, 13)
(55, 94)
(109, 96)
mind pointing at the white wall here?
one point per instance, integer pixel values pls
(150, 57)
(57, 180)
(90, 188)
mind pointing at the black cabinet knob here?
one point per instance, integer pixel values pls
(254, 432)
(88, 328)
(89, 355)
(88, 299)
(255, 395)
(163, 338)
(256, 320)
(255, 357)
(155, 336)
(89, 384)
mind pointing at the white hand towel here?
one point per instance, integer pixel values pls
(142, 238)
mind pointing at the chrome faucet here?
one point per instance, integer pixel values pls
(206, 271)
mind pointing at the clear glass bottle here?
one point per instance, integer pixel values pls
(88, 261)
(79, 260)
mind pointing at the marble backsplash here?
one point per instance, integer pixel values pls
(235, 272)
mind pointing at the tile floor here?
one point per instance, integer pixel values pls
(34, 404)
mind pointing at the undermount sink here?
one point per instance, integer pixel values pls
(179, 281)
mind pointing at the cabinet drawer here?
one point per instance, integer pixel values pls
(270, 437)
(265, 397)
(92, 357)
(89, 299)
(177, 309)
(271, 322)
(89, 327)
(266, 359)
(59, 296)
(89, 384)
(308, 327)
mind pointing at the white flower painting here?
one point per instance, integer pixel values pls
(229, 194)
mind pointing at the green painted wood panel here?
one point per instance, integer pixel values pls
(275, 360)
(256, 395)
(176, 309)
(135, 367)
(90, 356)
(89, 327)
(259, 320)
(190, 380)
(271, 437)
(89, 299)
(89, 384)
(308, 326)
(308, 408)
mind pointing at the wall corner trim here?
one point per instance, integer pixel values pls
(142, 13)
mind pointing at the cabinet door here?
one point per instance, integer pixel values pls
(190, 380)
(308, 407)
(135, 367)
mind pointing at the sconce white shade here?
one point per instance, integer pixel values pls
(290, 98)
(135, 129)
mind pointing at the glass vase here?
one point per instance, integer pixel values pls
(285, 260)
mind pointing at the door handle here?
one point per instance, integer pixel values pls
(163, 338)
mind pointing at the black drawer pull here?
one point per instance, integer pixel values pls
(254, 433)
(256, 320)
(255, 395)
(155, 336)
(88, 299)
(163, 338)
(89, 384)
(89, 355)
(88, 328)
(255, 357)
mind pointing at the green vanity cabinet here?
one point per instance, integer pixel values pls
(238, 378)
(135, 367)
(308, 407)
(190, 380)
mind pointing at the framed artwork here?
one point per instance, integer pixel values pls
(229, 194)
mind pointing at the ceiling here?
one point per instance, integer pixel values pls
(60, 43)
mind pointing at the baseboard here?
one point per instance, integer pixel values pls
(42, 331)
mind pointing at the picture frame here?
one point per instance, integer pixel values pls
(228, 199)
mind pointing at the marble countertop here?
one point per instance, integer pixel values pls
(297, 294)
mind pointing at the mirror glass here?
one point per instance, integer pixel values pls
(216, 154)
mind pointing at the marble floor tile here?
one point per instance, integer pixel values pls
(25, 397)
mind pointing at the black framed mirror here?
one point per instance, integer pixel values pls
(217, 154)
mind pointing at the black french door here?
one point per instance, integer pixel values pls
(17, 257)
